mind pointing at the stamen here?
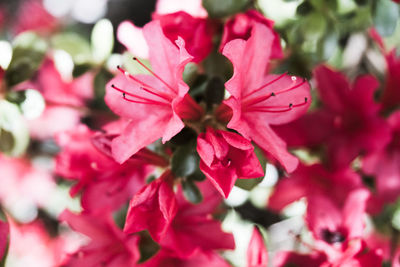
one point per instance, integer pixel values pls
(155, 75)
(144, 100)
(145, 86)
(263, 98)
(267, 84)
(277, 109)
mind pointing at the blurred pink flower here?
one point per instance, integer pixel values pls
(32, 16)
(18, 179)
(104, 183)
(33, 246)
(108, 245)
(307, 181)
(384, 165)
(257, 255)
(193, 229)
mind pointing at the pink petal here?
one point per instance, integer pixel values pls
(257, 255)
(354, 211)
(133, 39)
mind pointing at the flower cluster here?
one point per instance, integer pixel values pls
(153, 144)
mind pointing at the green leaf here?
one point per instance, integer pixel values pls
(218, 65)
(219, 9)
(198, 175)
(75, 45)
(80, 69)
(185, 160)
(102, 40)
(386, 16)
(191, 192)
(215, 91)
(14, 132)
(28, 52)
(100, 81)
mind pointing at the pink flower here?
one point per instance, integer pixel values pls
(196, 32)
(307, 181)
(158, 102)
(356, 125)
(19, 177)
(333, 224)
(31, 244)
(225, 157)
(193, 229)
(48, 124)
(33, 16)
(288, 258)
(98, 174)
(240, 27)
(257, 255)
(391, 93)
(354, 253)
(384, 165)
(64, 99)
(57, 91)
(258, 100)
(108, 246)
(133, 39)
(152, 208)
(396, 259)
(348, 124)
(199, 259)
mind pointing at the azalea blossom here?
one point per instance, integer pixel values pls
(225, 157)
(64, 98)
(391, 93)
(198, 259)
(241, 25)
(97, 173)
(258, 100)
(159, 101)
(186, 234)
(33, 16)
(108, 245)
(315, 179)
(384, 165)
(152, 208)
(348, 124)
